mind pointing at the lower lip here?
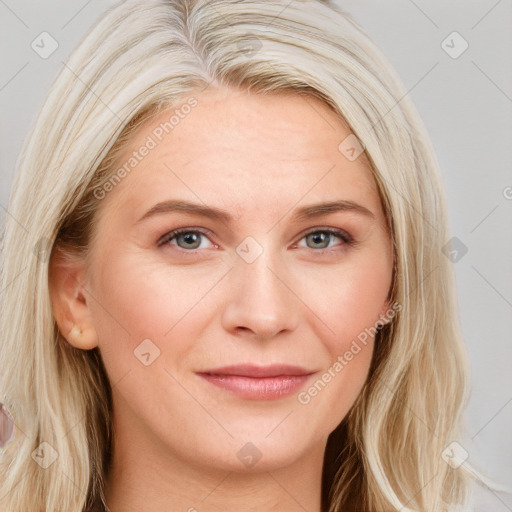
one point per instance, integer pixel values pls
(258, 388)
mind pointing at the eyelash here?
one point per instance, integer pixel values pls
(342, 235)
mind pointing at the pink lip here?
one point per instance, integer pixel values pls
(258, 382)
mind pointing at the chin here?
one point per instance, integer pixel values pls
(249, 453)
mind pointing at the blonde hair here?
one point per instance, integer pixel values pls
(144, 56)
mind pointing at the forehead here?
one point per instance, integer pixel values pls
(245, 150)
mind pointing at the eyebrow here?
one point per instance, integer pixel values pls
(211, 212)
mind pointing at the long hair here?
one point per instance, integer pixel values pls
(144, 56)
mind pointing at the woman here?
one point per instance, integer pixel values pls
(235, 295)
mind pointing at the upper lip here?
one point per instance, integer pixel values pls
(252, 370)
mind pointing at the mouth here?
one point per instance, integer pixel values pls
(253, 382)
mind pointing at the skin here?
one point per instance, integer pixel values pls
(301, 301)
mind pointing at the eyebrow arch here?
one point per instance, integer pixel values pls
(318, 209)
(300, 214)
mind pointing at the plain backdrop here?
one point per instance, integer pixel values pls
(466, 103)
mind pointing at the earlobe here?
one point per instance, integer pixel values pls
(68, 298)
(82, 338)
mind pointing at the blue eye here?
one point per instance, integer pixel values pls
(190, 239)
(320, 237)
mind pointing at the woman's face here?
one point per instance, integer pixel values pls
(269, 281)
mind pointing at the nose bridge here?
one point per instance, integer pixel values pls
(260, 301)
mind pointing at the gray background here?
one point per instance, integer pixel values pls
(466, 104)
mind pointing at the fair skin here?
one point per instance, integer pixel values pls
(302, 301)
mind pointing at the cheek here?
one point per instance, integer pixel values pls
(135, 300)
(351, 312)
(349, 299)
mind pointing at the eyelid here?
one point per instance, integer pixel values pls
(344, 236)
(167, 237)
(341, 233)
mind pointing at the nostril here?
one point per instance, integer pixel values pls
(242, 329)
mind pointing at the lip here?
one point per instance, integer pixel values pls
(254, 382)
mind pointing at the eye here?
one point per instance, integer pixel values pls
(321, 238)
(190, 239)
(185, 239)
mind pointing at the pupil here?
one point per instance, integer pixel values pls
(190, 238)
(319, 238)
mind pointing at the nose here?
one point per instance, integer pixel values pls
(261, 302)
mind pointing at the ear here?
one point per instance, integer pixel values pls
(68, 296)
